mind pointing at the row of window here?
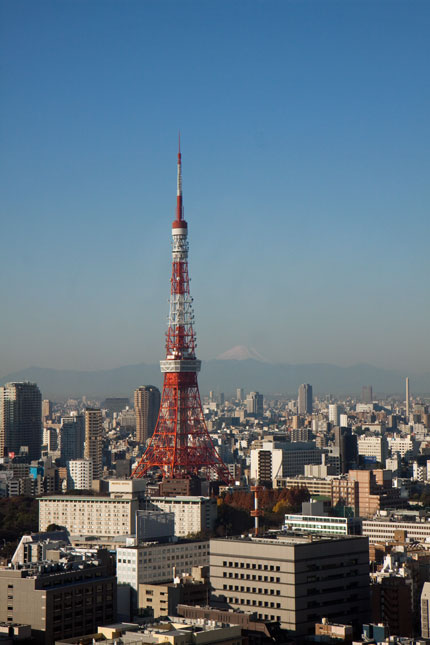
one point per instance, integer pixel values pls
(251, 565)
(271, 592)
(248, 576)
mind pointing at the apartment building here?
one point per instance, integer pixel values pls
(294, 580)
(192, 514)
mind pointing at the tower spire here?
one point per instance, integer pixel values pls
(181, 445)
(179, 204)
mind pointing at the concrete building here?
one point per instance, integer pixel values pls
(20, 420)
(163, 599)
(94, 440)
(192, 514)
(38, 546)
(146, 405)
(295, 580)
(80, 474)
(304, 402)
(60, 599)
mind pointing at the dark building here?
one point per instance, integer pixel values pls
(392, 605)
(146, 405)
(115, 404)
(347, 444)
(21, 419)
(72, 438)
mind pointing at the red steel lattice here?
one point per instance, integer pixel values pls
(181, 445)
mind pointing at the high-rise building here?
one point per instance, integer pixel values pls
(367, 394)
(146, 405)
(72, 438)
(333, 414)
(94, 440)
(240, 393)
(346, 443)
(20, 419)
(46, 410)
(254, 404)
(305, 399)
(80, 474)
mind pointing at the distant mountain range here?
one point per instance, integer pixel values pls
(224, 375)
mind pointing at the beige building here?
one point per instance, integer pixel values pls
(146, 406)
(192, 514)
(94, 440)
(163, 599)
(384, 530)
(101, 516)
(295, 580)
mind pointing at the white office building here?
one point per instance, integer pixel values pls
(152, 562)
(373, 447)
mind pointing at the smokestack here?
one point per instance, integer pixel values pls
(407, 399)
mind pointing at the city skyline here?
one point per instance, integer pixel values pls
(305, 132)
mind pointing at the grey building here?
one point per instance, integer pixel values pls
(367, 394)
(305, 404)
(293, 579)
(425, 606)
(21, 419)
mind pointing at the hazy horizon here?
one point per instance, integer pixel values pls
(305, 145)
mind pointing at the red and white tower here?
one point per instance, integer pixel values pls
(181, 445)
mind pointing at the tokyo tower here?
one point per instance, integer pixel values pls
(181, 446)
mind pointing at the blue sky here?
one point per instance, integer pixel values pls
(305, 137)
